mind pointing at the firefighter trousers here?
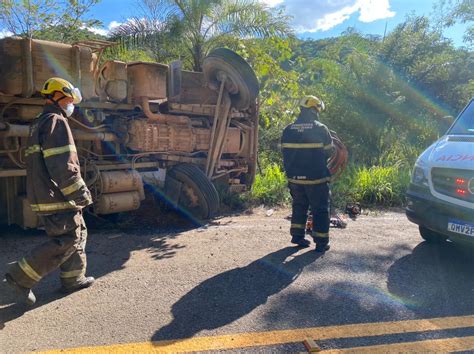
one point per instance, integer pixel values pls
(65, 250)
(315, 196)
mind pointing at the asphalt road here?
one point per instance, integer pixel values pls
(238, 285)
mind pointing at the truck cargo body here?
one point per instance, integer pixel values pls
(141, 127)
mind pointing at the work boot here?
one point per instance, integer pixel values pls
(323, 248)
(24, 294)
(300, 241)
(84, 283)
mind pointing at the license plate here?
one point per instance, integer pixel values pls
(461, 227)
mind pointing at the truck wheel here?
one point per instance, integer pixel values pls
(242, 84)
(431, 236)
(198, 197)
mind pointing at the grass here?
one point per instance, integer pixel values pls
(270, 187)
(375, 186)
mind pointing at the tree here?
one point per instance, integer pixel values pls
(279, 89)
(61, 20)
(429, 63)
(462, 11)
(198, 26)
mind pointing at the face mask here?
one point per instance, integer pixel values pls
(69, 109)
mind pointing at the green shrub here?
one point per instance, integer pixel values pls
(270, 187)
(376, 185)
(371, 186)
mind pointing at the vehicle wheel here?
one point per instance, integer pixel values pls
(431, 236)
(242, 84)
(198, 197)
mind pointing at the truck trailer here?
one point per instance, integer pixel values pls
(142, 128)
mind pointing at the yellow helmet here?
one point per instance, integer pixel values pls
(312, 102)
(65, 87)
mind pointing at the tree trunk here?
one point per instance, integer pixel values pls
(197, 57)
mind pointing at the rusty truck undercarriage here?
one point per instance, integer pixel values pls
(141, 128)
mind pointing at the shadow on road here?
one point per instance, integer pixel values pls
(396, 284)
(228, 296)
(109, 246)
(435, 280)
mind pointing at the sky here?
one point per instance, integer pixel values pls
(315, 19)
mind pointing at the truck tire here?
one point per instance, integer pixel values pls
(431, 236)
(244, 88)
(198, 198)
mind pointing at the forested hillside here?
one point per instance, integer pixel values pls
(387, 98)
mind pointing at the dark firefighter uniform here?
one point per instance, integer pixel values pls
(57, 193)
(306, 146)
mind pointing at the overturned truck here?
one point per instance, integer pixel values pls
(142, 128)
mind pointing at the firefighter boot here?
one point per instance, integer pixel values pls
(82, 284)
(24, 294)
(300, 241)
(322, 247)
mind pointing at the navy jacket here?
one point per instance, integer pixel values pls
(306, 146)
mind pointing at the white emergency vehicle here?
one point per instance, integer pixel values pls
(441, 191)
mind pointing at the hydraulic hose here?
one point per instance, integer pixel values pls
(338, 161)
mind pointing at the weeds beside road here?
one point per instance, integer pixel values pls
(376, 186)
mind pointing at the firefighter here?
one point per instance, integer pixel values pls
(306, 146)
(57, 193)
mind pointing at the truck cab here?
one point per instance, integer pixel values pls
(441, 192)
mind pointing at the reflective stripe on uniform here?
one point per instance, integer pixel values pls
(320, 234)
(59, 150)
(73, 187)
(302, 145)
(53, 206)
(72, 274)
(327, 147)
(30, 272)
(309, 181)
(32, 149)
(298, 226)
